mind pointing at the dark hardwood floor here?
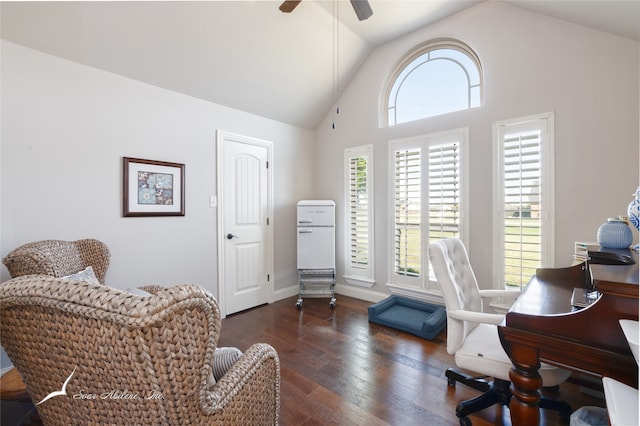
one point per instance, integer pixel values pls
(339, 369)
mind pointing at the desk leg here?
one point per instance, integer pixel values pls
(526, 384)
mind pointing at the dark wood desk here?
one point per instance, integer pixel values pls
(542, 326)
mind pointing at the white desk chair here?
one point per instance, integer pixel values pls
(622, 400)
(472, 335)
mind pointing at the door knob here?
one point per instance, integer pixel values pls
(231, 236)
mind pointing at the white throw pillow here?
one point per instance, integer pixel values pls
(86, 274)
(138, 291)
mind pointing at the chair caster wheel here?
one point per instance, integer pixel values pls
(332, 304)
(465, 421)
(299, 304)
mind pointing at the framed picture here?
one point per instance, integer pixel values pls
(152, 188)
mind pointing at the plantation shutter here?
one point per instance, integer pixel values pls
(407, 212)
(428, 198)
(444, 191)
(522, 199)
(358, 213)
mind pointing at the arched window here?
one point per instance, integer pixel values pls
(440, 77)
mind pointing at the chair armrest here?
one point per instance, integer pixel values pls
(250, 388)
(511, 294)
(478, 317)
(622, 402)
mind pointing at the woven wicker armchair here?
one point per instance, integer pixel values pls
(126, 359)
(59, 258)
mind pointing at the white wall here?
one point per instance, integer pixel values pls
(65, 129)
(532, 64)
(66, 126)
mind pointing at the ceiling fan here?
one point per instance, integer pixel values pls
(361, 7)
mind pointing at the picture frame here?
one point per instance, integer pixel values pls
(152, 188)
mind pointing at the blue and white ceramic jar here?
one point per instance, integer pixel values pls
(634, 214)
(615, 234)
(634, 210)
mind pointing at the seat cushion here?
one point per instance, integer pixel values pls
(482, 353)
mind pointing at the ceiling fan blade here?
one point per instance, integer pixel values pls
(362, 8)
(288, 6)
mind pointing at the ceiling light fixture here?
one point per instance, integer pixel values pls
(361, 7)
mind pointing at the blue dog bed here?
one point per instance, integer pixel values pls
(411, 316)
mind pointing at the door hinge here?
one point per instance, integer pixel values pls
(267, 164)
(268, 277)
(267, 221)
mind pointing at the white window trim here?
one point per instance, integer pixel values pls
(546, 124)
(425, 289)
(424, 48)
(360, 277)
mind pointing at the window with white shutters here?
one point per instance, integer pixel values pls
(525, 188)
(444, 191)
(427, 199)
(358, 213)
(407, 212)
(359, 202)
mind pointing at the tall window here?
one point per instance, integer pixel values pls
(441, 77)
(525, 195)
(359, 264)
(427, 199)
(407, 202)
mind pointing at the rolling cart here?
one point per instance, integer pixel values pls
(316, 250)
(317, 283)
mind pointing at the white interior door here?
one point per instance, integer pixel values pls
(244, 228)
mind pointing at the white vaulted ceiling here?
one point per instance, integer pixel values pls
(247, 54)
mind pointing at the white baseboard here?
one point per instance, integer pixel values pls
(417, 294)
(357, 292)
(361, 293)
(286, 292)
